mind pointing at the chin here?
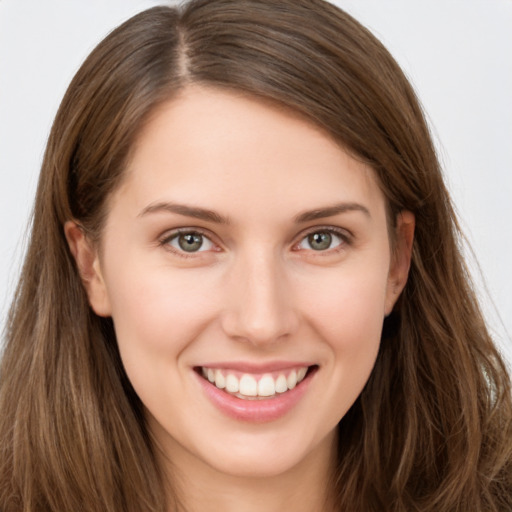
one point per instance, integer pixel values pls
(264, 455)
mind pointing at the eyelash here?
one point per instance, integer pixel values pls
(343, 235)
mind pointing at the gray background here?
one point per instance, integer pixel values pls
(458, 55)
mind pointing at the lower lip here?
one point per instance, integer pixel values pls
(256, 411)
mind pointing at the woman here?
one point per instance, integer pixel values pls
(243, 289)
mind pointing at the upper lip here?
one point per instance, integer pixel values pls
(252, 367)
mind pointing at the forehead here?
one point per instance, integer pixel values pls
(226, 150)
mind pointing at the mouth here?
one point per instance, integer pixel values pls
(255, 394)
(255, 386)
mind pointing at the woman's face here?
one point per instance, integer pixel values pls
(243, 252)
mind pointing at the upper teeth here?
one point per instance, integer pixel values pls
(247, 385)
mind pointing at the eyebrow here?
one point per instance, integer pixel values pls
(185, 210)
(212, 216)
(331, 211)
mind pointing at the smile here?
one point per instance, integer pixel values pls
(249, 386)
(255, 394)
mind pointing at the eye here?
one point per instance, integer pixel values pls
(322, 240)
(189, 242)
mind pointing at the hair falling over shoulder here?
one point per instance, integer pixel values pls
(432, 430)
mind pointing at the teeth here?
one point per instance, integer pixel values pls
(291, 380)
(248, 386)
(266, 386)
(232, 384)
(281, 385)
(220, 380)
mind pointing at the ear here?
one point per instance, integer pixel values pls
(401, 259)
(88, 264)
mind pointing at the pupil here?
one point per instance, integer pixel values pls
(190, 242)
(320, 241)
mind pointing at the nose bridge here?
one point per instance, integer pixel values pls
(261, 309)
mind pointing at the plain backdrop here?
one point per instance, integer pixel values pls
(458, 55)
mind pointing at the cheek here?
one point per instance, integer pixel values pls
(157, 315)
(157, 311)
(348, 318)
(349, 310)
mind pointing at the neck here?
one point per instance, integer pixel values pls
(303, 488)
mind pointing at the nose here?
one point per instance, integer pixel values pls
(261, 309)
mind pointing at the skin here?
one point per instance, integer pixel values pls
(256, 291)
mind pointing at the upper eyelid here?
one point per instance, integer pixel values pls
(172, 233)
(343, 232)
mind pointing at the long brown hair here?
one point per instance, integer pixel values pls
(431, 431)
